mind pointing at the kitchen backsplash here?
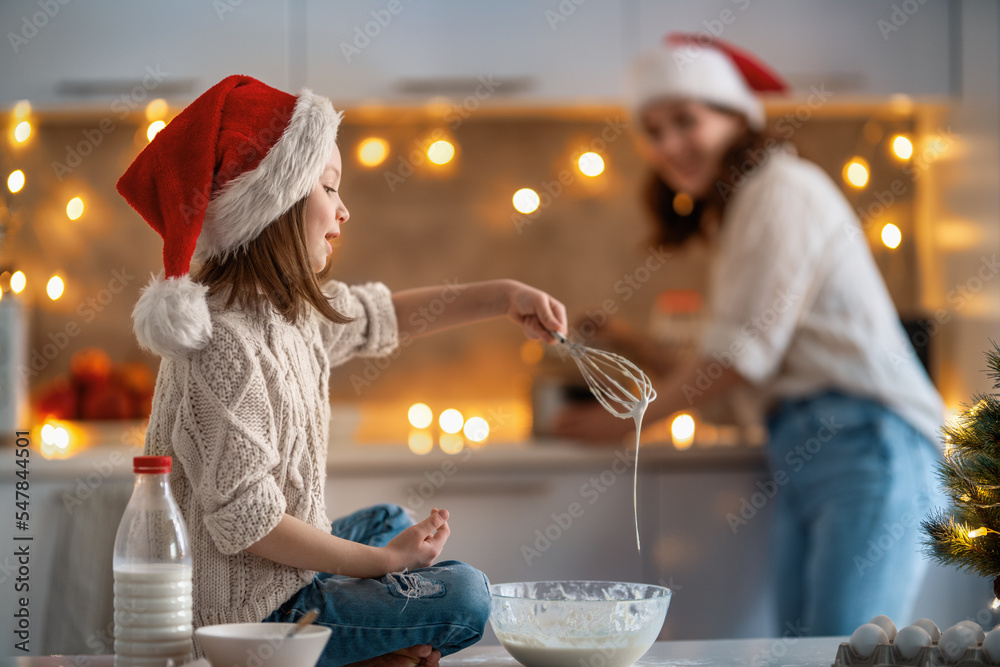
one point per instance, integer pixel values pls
(412, 224)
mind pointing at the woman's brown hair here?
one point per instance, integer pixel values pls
(273, 269)
(740, 162)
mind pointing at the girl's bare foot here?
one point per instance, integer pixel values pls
(415, 656)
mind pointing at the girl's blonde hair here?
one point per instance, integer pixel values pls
(273, 269)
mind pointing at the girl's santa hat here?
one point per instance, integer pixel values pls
(221, 171)
(701, 67)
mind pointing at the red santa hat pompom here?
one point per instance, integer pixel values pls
(221, 171)
(704, 68)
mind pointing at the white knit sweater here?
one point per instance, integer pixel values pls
(246, 422)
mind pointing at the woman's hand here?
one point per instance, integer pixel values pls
(593, 423)
(419, 545)
(536, 311)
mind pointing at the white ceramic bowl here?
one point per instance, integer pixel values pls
(262, 644)
(573, 623)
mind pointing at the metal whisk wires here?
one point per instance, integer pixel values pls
(616, 382)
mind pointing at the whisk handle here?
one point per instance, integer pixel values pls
(558, 336)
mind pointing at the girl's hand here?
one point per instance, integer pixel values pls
(419, 545)
(536, 311)
(423, 655)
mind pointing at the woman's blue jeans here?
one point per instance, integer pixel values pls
(858, 480)
(446, 605)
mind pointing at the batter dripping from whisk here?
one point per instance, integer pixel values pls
(624, 391)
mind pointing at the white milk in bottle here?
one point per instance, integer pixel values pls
(153, 573)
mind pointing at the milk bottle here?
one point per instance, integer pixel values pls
(153, 573)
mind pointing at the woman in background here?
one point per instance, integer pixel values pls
(797, 310)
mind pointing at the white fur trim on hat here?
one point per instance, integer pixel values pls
(171, 317)
(699, 73)
(248, 203)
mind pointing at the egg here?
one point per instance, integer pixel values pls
(930, 626)
(976, 630)
(866, 638)
(956, 639)
(991, 645)
(886, 624)
(910, 640)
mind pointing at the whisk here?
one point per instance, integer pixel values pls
(622, 388)
(619, 385)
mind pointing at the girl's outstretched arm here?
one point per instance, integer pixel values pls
(295, 543)
(425, 310)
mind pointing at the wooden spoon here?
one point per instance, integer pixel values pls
(307, 619)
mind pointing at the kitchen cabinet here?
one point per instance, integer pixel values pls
(397, 50)
(121, 53)
(502, 499)
(524, 527)
(852, 48)
(541, 522)
(556, 51)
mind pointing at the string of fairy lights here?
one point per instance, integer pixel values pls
(856, 174)
(453, 431)
(21, 135)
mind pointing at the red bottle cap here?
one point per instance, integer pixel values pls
(151, 464)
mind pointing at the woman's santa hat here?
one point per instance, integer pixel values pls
(221, 171)
(704, 68)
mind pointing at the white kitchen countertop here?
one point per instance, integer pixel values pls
(772, 652)
(114, 460)
(784, 652)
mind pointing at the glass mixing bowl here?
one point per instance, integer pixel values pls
(577, 623)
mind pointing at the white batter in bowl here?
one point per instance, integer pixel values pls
(573, 623)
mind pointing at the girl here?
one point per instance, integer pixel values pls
(246, 180)
(798, 310)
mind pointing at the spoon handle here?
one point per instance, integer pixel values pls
(307, 619)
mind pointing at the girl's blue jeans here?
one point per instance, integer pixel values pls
(854, 482)
(446, 605)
